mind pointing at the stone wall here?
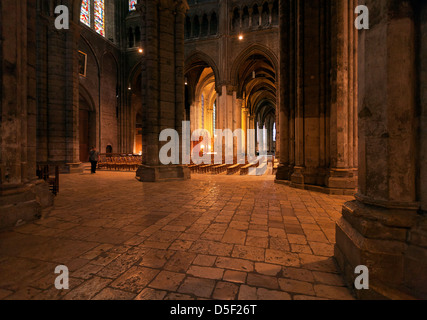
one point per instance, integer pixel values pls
(58, 91)
(102, 83)
(61, 88)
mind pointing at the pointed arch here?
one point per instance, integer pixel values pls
(254, 49)
(92, 50)
(198, 58)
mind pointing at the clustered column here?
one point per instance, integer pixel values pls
(385, 228)
(343, 124)
(317, 102)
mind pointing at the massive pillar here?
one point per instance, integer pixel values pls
(227, 102)
(162, 84)
(343, 122)
(385, 229)
(22, 196)
(284, 106)
(317, 96)
(58, 88)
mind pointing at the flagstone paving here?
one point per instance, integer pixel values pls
(214, 237)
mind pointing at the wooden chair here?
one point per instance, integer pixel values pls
(234, 169)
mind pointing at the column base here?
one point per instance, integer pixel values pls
(283, 173)
(24, 203)
(74, 168)
(163, 173)
(391, 242)
(64, 168)
(344, 179)
(337, 182)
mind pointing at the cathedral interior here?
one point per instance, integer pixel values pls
(334, 208)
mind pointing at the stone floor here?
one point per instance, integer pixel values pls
(214, 237)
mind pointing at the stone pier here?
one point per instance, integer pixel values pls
(162, 84)
(23, 197)
(318, 132)
(385, 229)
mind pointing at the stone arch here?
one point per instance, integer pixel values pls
(245, 17)
(265, 14)
(204, 83)
(235, 22)
(255, 15)
(84, 93)
(196, 27)
(213, 24)
(130, 37)
(188, 27)
(198, 57)
(134, 74)
(204, 28)
(88, 123)
(112, 56)
(92, 50)
(275, 13)
(137, 36)
(248, 52)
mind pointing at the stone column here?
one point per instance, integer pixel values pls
(297, 177)
(237, 119)
(261, 138)
(22, 197)
(383, 229)
(162, 84)
(284, 104)
(179, 26)
(342, 173)
(245, 115)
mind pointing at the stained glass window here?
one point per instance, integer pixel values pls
(99, 17)
(132, 5)
(85, 12)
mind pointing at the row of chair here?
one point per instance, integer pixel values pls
(131, 163)
(119, 162)
(229, 169)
